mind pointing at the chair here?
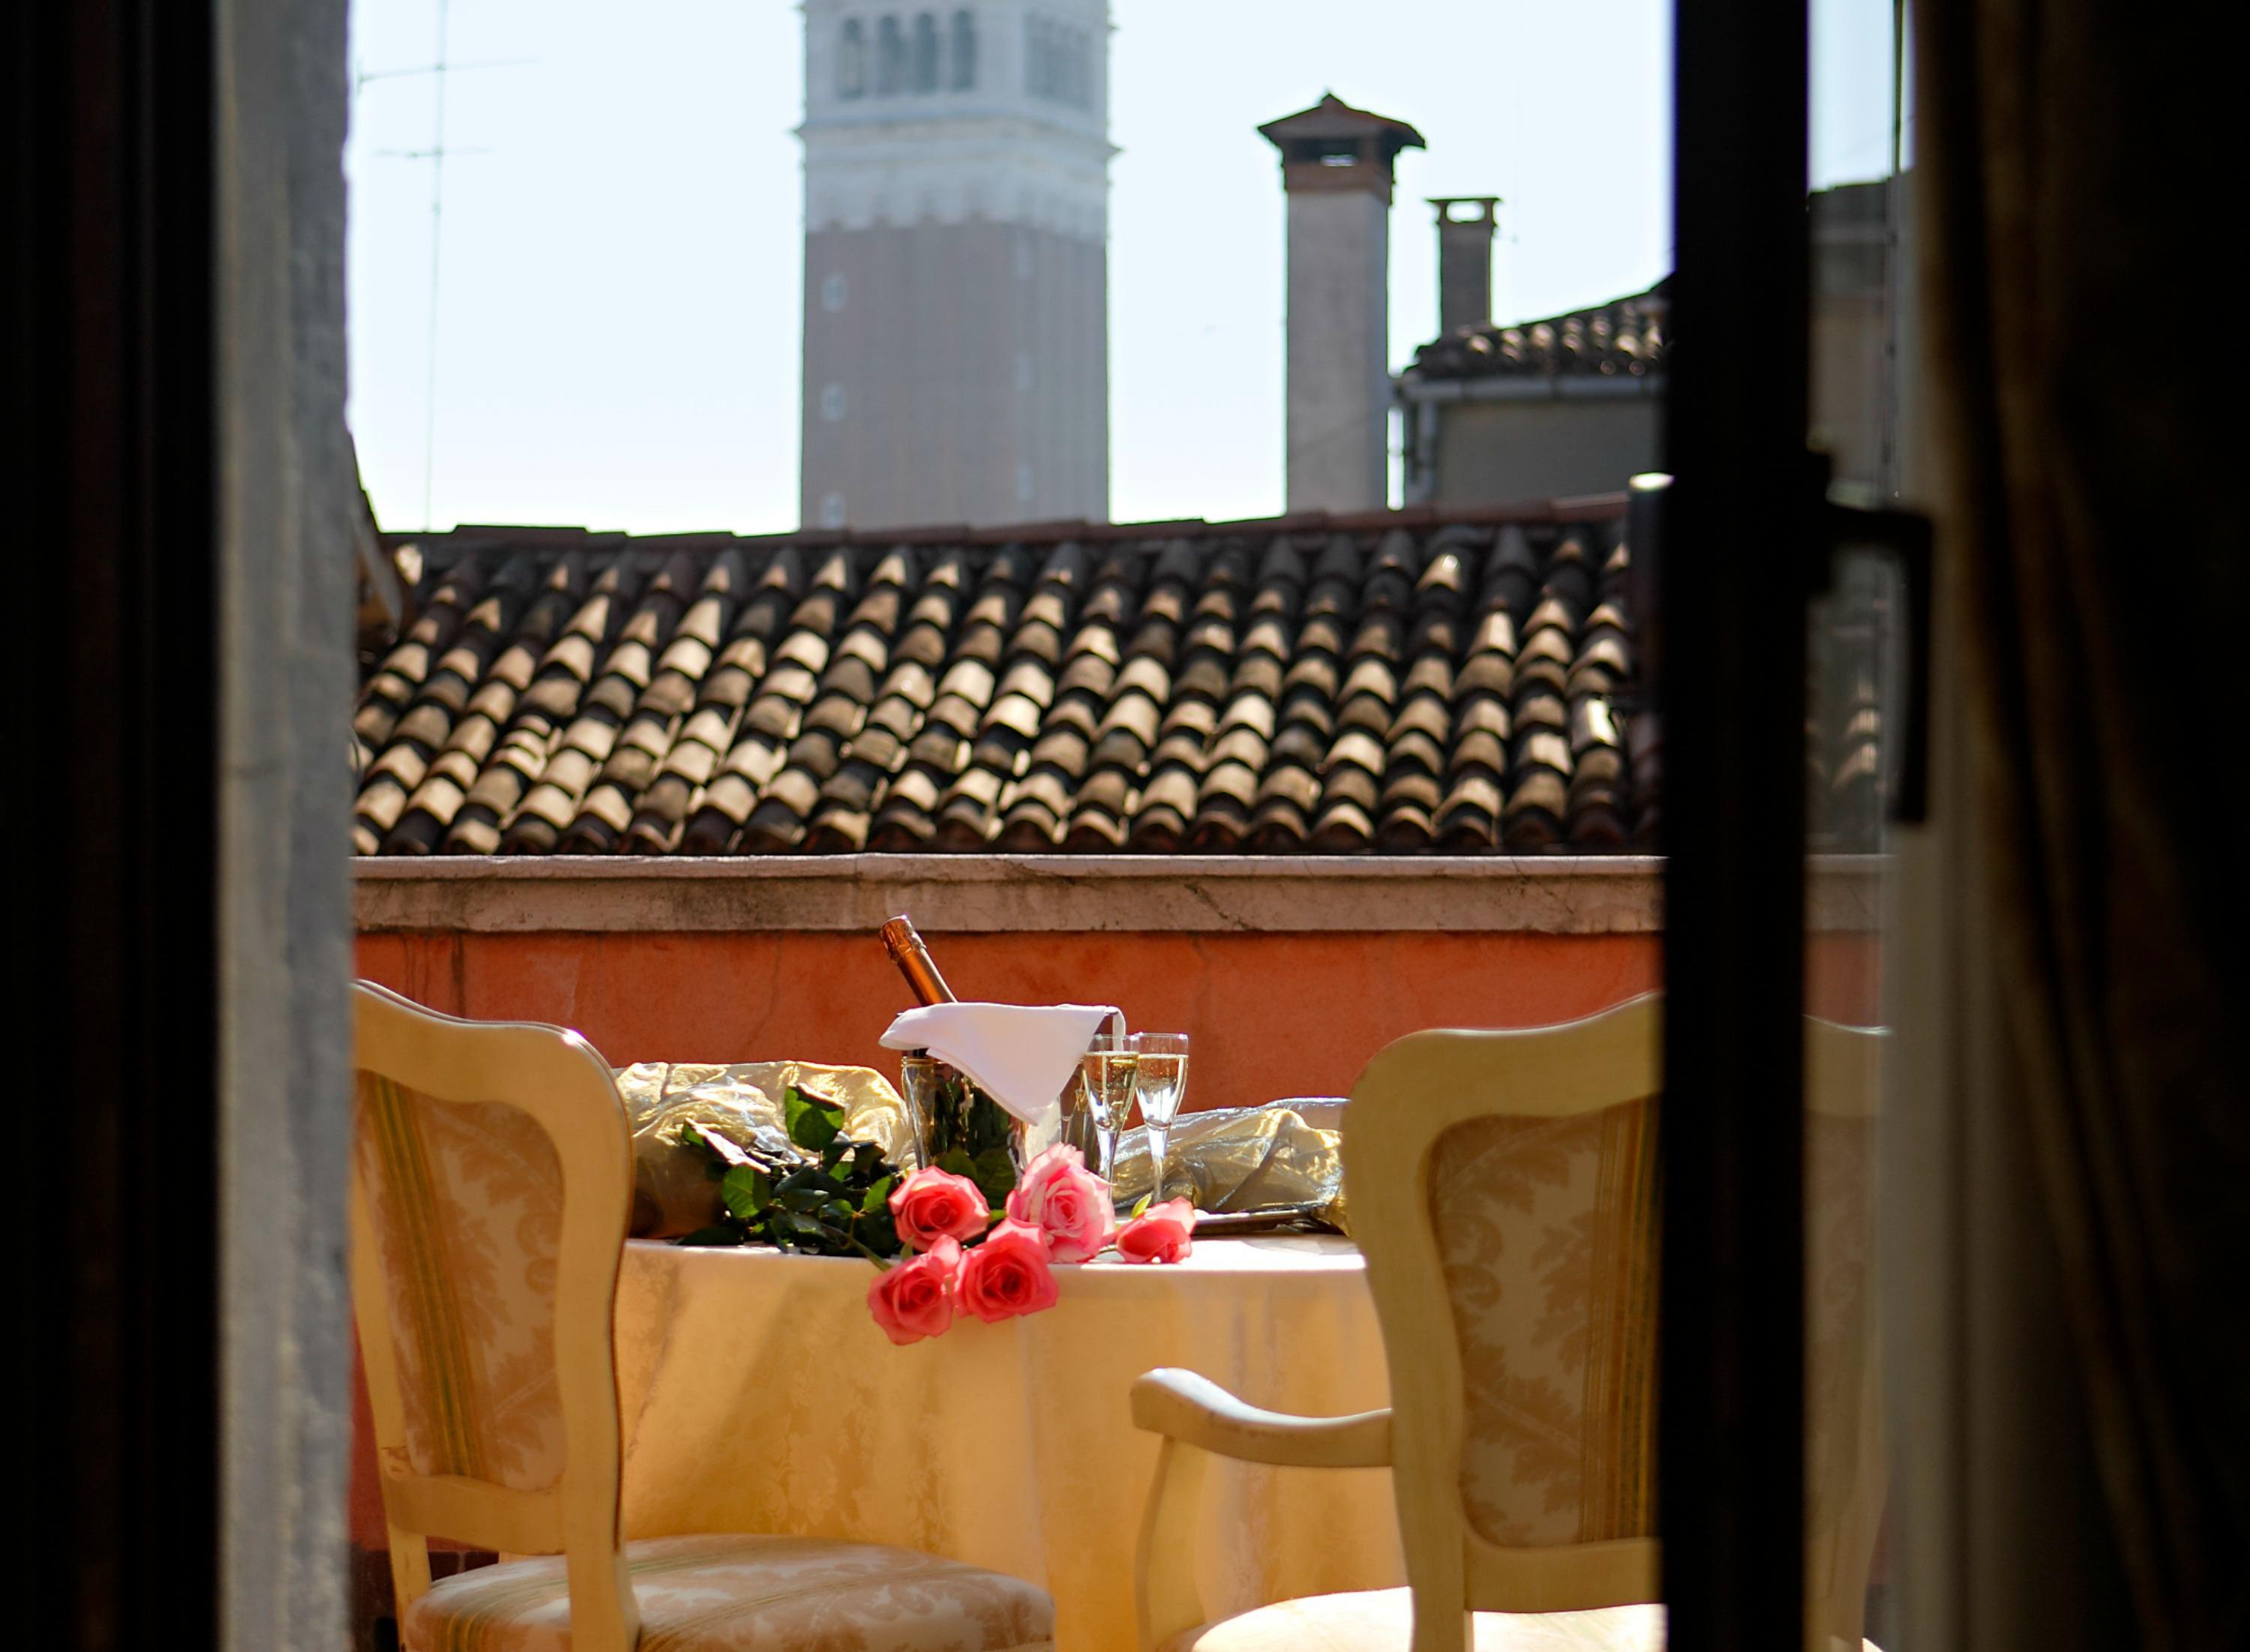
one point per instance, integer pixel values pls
(1519, 1326)
(493, 1177)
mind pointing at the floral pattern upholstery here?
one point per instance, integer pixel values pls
(1383, 1620)
(747, 1595)
(466, 1199)
(1546, 1232)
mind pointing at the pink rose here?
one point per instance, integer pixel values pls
(1007, 1275)
(934, 1204)
(1066, 1201)
(914, 1298)
(1162, 1233)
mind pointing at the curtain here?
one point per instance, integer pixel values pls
(2079, 323)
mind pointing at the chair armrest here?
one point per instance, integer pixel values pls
(1195, 1411)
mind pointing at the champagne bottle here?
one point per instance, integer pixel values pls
(912, 957)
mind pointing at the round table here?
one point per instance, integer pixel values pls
(758, 1396)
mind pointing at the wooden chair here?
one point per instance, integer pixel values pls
(492, 1178)
(1519, 1325)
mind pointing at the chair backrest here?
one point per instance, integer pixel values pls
(1503, 1188)
(491, 1184)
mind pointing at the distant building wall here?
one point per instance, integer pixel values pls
(1523, 448)
(1852, 375)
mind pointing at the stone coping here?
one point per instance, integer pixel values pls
(1002, 894)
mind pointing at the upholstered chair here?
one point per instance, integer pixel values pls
(493, 1179)
(1502, 1185)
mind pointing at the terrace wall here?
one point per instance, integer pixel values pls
(1288, 973)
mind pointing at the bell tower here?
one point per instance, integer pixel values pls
(956, 190)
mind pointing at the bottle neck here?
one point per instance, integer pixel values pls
(914, 963)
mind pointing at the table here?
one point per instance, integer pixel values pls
(758, 1396)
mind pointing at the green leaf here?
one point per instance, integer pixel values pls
(746, 1191)
(877, 1197)
(801, 1200)
(812, 1124)
(1141, 1207)
(994, 1173)
(957, 1162)
(989, 1127)
(718, 1234)
(867, 1159)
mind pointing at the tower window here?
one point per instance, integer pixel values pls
(964, 50)
(1056, 65)
(1038, 57)
(832, 402)
(831, 510)
(890, 58)
(833, 291)
(852, 60)
(925, 54)
(1080, 59)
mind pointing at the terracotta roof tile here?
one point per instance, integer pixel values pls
(1623, 338)
(1382, 685)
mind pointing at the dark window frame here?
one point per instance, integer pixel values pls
(1734, 579)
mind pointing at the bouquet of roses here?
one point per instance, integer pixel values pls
(999, 1263)
(843, 1197)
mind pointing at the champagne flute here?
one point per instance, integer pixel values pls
(1160, 1078)
(1105, 1075)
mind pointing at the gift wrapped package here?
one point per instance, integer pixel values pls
(1243, 1160)
(673, 1192)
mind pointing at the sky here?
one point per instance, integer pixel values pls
(618, 257)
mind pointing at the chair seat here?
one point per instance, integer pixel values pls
(731, 1593)
(1383, 1620)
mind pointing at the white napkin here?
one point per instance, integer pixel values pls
(1020, 1055)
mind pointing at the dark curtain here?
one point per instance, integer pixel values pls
(2077, 165)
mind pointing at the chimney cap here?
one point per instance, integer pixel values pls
(1332, 118)
(1446, 204)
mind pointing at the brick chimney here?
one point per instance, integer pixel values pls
(1336, 172)
(1465, 227)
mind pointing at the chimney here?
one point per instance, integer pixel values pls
(1464, 260)
(1335, 170)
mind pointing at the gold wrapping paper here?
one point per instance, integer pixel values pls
(671, 1193)
(1241, 1160)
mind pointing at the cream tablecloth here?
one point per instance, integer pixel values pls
(758, 1396)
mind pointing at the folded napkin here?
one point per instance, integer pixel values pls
(1020, 1055)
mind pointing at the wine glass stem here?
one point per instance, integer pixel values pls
(1105, 1149)
(1160, 1142)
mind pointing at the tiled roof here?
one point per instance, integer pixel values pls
(1624, 337)
(1387, 684)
